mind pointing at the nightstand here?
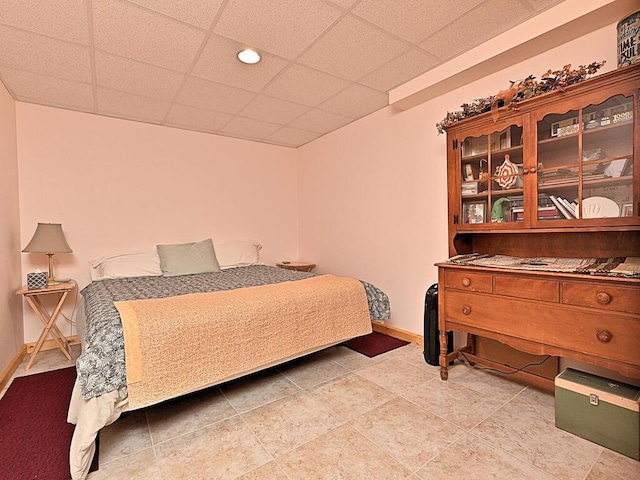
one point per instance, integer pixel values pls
(299, 266)
(33, 298)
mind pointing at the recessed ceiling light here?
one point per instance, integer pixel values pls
(248, 56)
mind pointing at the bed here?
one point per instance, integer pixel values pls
(219, 325)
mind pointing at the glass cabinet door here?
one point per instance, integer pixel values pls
(492, 177)
(585, 162)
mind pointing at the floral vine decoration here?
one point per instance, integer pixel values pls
(520, 90)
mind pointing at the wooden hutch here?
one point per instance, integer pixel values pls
(557, 177)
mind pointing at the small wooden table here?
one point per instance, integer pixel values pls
(48, 319)
(299, 266)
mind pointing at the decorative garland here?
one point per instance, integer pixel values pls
(521, 90)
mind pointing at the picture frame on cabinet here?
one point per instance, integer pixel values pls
(616, 168)
(626, 210)
(469, 188)
(474, 212)
(468, 172)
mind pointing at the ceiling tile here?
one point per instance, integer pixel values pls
(343, 3)
(292, 136)
(496, 16)
(45, 90)
(219, 62)
(249, 128)
(135, 107)
(45, 55)
(139, 78)
(541, 5)
(134, 32)
(196, 118)
(281, 27)
(356, 101)
(273, 110)
(408, 65)
(324, 63)
(412, 20)
(62, 19)
(305, 85)
(199, 13)
(352, 49)
(213, 96)
(320, 121)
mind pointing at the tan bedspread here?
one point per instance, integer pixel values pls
(181, 344)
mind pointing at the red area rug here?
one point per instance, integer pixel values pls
(34, 433)
(374, 344)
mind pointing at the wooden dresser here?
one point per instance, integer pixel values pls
(559, 177)
(591, 319)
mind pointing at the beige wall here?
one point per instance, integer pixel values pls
(11, 336)
(373, 194)
(119, 186)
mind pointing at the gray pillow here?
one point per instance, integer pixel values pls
(188, 258)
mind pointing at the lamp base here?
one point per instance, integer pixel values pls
(51, 279)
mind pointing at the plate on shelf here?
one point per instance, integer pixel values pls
(599, 207)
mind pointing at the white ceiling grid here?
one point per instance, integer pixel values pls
(325, 63)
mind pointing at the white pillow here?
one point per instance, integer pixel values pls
(138, 264)
(238, 253)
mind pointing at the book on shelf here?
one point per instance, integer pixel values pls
(561, 208)
(570, 207)
(559, 181)
(546, 214)
(549, 212)
(516, 200)
(544, 200)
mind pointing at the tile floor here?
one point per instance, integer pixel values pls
(340, 415)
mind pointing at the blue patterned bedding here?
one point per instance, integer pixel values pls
(101, 367)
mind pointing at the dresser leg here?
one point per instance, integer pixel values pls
(444, 362)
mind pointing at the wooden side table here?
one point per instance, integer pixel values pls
(33, 298)
(299, 266)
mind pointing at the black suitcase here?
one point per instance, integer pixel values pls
(431, 332)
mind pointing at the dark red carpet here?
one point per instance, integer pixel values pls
(374, 344)
(34, 433)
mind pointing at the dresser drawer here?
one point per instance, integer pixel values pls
(608, 336)
(469, 281)
(528, 288)
(599, 295)
(495, 314)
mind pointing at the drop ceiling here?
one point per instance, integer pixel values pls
(324, 63)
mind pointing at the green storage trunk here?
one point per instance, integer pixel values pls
(599, 410)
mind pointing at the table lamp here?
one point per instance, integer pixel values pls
(49, 239)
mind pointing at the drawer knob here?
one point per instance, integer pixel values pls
(466, 309)
(603, 298)
(604, 336)
(466, 282)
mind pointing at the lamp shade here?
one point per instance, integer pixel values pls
(48, 238)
